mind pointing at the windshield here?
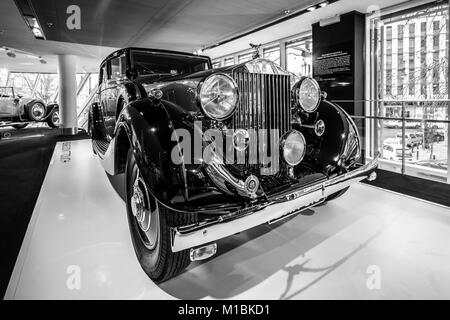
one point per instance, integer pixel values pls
(145, 63)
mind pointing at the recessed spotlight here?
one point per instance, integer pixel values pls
(287, 11)
(34, 26)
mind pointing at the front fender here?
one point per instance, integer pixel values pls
(339, 147)
(149, 129)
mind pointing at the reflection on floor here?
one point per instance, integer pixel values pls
(369, 244)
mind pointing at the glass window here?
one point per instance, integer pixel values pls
(229, 61)
(299, 57)
(148, 63)
(414, 85)
(216, 64)
(118, 67)
(245, 57)
(103, 74)
(272, 54)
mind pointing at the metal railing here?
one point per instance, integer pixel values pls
(378, 105)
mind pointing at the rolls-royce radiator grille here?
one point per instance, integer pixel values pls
(264, 103)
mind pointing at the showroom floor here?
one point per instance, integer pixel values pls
(331, 252)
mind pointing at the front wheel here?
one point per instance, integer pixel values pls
(53, 119)
(150, 224)
(36, 111)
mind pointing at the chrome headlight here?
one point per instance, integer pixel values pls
(219, 96)
(307, 94)
(293, 147)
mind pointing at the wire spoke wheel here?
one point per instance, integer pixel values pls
(145, 210)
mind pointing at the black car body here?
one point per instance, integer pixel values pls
(146, 95)
(18, 111)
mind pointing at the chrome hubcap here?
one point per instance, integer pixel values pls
(55, 118)
(38, 111)
(145, 211)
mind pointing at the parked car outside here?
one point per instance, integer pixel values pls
(411, 139)
(394, 152)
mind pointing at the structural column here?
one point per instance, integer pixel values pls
(67, 94)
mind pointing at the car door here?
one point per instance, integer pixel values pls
(116, 77)
(8, 107)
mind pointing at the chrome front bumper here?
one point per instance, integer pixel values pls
(191, 236)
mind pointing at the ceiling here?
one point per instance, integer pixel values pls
(14, 33)
(302, 23)
(183, 25)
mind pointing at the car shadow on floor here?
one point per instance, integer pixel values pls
(246, 259)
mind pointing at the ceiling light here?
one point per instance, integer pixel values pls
(312, 8)
(323, 4)
(34, 26)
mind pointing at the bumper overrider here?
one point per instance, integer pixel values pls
(197, 235)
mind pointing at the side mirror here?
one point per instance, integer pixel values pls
(131, 73)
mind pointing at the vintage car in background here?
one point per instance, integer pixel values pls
(18, 112)
(177, 211)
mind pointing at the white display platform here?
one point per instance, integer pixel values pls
(368, 244)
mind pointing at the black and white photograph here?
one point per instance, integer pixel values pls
(224, 155)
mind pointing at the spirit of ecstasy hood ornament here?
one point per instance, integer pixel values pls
(256, 47)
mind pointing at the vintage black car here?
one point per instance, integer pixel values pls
(151, 122)
(18, 112)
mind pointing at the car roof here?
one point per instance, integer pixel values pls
(120, 51)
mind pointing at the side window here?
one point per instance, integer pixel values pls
(118, 67)
(102, 74)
